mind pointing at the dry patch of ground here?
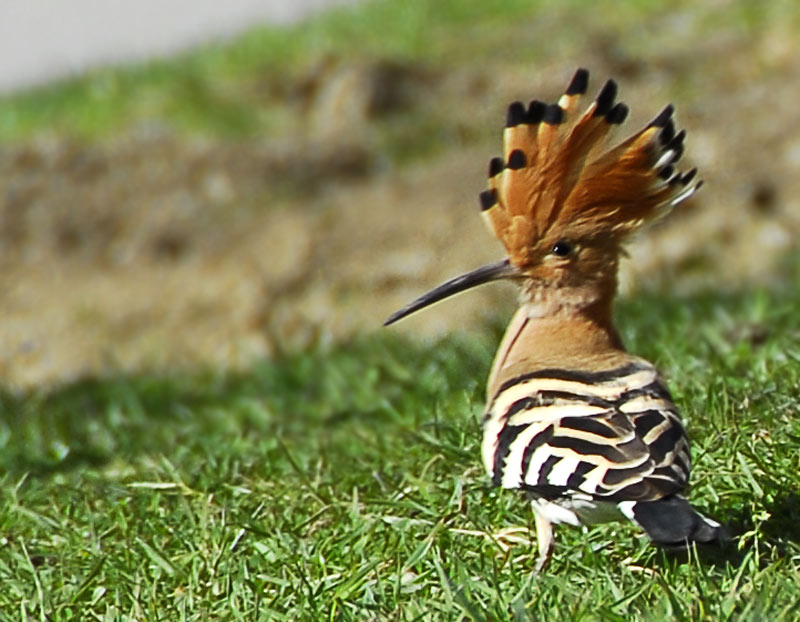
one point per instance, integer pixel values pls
(152, 250)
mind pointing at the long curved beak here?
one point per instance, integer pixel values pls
(493, 272)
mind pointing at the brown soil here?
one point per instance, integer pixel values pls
(151, 250)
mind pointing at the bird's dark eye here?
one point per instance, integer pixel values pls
(562, 248)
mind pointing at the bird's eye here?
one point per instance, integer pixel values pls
(562, 248)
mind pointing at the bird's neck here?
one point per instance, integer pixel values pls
(569, 337)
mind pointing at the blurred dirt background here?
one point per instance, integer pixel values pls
(151, 249)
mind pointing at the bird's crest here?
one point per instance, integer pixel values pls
(557, 172)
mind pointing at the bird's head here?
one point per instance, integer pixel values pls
(563, 203)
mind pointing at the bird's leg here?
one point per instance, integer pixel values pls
(544, 537)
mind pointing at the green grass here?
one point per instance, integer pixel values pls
(345, 484)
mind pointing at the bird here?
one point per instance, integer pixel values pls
(586, 430)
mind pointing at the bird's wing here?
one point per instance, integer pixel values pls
(614, 435)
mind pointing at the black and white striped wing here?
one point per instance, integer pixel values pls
(614, 435)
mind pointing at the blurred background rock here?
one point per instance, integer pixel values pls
(296, 183)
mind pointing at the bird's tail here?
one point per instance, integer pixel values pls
(672, 521)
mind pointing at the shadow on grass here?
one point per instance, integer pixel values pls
(91, 421)
(360, 385)
(721, 554)
(784, 521)
(781, 528)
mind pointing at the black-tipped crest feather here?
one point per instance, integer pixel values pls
(553, 114)
(605, 98)
(579, 83)
(515, 115)
(488, 199)
(662, 117)
(536, 112)
(496, 166)
(617, 114)
(516, 160)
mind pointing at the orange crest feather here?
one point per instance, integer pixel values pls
(557, 172)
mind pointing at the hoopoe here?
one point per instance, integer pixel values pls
(586, 429)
